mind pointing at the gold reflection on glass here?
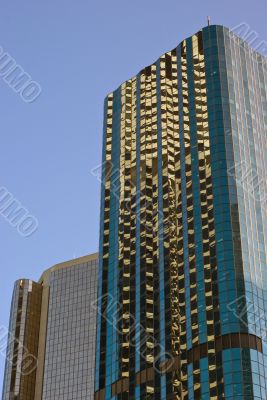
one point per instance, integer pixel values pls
(169, 92)
(107, 168)
(23, 339)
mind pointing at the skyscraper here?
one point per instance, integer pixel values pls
(183, 274)
(51, 345)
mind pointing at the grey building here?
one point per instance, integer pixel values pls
(51, 342)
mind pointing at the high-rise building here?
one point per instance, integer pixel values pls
(183, 272)
(51, 343)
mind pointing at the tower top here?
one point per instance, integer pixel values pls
(208, 18)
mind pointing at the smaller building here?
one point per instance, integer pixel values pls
(51, 338)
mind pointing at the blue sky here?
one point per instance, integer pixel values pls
(78, 51)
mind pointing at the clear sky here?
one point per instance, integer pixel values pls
(78, 51)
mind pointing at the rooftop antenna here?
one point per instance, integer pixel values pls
(208, 18)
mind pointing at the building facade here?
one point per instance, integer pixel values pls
(23, 338)
(182, 270)
(51, 345)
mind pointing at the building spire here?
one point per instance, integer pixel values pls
(208, 18)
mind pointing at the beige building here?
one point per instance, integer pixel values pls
(51, 346)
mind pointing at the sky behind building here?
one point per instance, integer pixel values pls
(77, 52)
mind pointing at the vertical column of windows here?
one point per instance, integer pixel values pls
(112, 271)
(136, 338)
(101, 239)
(123, 239)
(107, 171)
(171, 188)
(142, 221)
(153, 388)
(133, 221)
(183, 260)
(161, 295)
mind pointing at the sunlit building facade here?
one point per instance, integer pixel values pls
(183, 274)
(51, 343)
(23, 338)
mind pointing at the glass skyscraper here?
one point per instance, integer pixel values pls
(51, 342)
(183, 274)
